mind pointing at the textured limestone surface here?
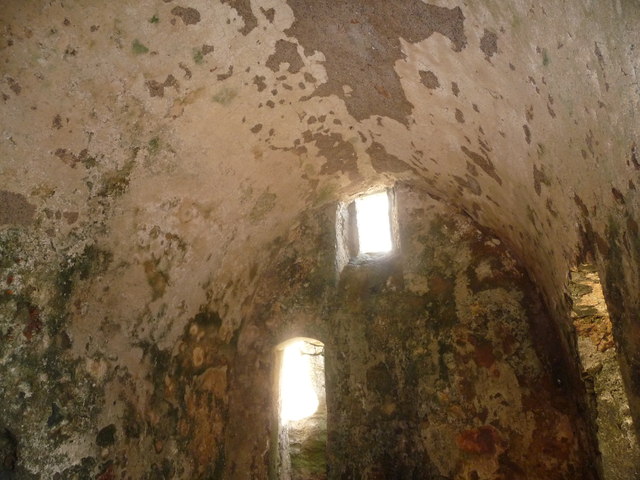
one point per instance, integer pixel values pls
(157, 156)
(601, 372)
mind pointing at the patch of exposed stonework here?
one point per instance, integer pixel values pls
(269, 14)
(382, 161)
(539, 179)
(489, 43)
(469, 183)
(190, 16)
(286, 52)
(339, 154)
(527, 133)
(601, 374)
(361, 43)
(15, 209)
(429, 79)
(156, 89)
(14, 86)
(258, 81)
(243, 7)
(484, 162)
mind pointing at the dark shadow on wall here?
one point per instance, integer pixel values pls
(8, 455)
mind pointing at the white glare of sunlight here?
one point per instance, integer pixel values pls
(297, 396)
(374, 230)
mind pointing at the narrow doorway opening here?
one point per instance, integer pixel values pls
(601, 375)
(301, 411)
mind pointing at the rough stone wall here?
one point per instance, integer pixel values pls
(152, 153)
(601, 370)
(440, 367)
(441, 361)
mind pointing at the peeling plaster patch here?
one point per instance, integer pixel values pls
(483, 162)
(529, 113)
(361, 43)
(190, 16)
(618, 196)
(527, 133)
(187, 71)
(224, 76)
(340, 155)
(72, 159)
(539, 178)
(429, 79)
(459, 116)
(599, 55)
(156, 89)
(258, 81)
(583, 208)
(243, 7)
(549, 109)
(286, 52)
(382, 161)
(634, 157)
(14, 86)
(15, 209)
(269, 14)
(57, 122)
(469, 183)
(489, 44)
(454, 89)
(116, 182)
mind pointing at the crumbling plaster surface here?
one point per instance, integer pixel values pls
(441, 361)
(153, 153)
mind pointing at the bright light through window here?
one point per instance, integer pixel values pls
(297, 395)
(374, 229)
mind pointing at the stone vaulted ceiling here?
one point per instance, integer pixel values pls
(185, 137)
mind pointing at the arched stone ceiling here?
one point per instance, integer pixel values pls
(184, 137)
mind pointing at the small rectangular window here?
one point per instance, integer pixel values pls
(366, 228)
(374, 227)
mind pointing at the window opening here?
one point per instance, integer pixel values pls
(601, 375)
(366, 228)
(301, 412)
(298, 396)
(374, 227)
